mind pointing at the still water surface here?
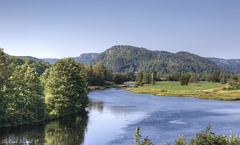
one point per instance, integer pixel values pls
(115, 113)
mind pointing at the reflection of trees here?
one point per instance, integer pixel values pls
(22, 134)
(67, 130)
(96, 106)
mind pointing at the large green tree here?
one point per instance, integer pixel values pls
(3, 101)
(66, 88)
(24, 94)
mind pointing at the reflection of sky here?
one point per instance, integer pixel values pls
(106, 121)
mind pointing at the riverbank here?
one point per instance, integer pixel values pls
(107, 86)
(203, 90)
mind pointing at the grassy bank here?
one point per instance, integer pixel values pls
(106, 86)
(204, 90)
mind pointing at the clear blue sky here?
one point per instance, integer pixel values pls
(67, 28)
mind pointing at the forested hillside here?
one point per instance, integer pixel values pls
(230, 64)
(85, 57)
(123, 58)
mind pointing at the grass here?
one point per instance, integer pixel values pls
(107, 86)
(204, 90)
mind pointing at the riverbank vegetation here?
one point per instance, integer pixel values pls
(219, 86)
(32, 91)
(205, 137)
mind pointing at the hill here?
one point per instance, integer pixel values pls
(50, 60)
(230, 64)
(124, 58)
(85, 57)
(30, 57)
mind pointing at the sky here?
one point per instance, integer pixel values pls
(68, 28)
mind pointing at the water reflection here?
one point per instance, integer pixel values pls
(67, 130)
(95, 105)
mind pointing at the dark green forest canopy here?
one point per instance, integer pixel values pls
(124, 58)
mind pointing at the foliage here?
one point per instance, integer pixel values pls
(137, 138)
(184, 79)
(193, 78)
(139, 76)
(123, 58)
(173, 77)
(38, 65)
(223, 78)
(234, 77)
(147, 77)
(99, 71)
(25, 98)
(205, 137)
(66, 88)
(117, 78)
(3, 78)
(215, 77)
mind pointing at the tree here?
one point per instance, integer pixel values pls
(99, 71)
(88, 72)
(184, 79)
(3, 68)
(3, 78)
(25, 97)
(215, 77)
(223, 78)
(193, 78)
(175, 76)
(139, 76)
(118, 78)
(234, 77)
(147, 78)
(66, 88)
(109, 75)
(129, 77)
(137, 138)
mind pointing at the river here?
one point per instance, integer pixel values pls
(115, 113)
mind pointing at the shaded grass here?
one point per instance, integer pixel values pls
(204, 90)
(106, 86)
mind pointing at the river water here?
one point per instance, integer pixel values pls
(115, 113)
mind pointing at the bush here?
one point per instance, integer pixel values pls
(205, 137)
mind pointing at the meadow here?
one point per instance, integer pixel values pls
(204, 90)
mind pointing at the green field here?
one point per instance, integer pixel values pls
(175, 86)
(204, 90)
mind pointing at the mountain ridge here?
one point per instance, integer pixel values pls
(229, 64)
(126, 58)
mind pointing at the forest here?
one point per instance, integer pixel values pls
(32, 91)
